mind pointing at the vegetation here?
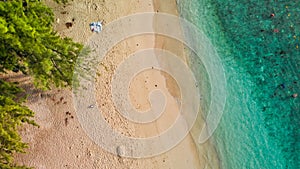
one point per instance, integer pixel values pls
(28, 44)
(12, 115)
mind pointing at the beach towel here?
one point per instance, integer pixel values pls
(96, 27)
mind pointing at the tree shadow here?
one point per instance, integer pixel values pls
(25, 82)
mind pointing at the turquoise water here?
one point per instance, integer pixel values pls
(260, 127)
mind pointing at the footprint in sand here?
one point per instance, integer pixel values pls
(94, 6)
(69, 115)
(69, 24)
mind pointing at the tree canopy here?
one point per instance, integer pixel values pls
(12, 115)
(28, 44)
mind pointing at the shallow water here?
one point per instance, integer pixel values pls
(260, 53)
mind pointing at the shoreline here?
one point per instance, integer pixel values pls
(206, 152)
(77, 150)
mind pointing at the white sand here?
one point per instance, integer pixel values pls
(60, 142)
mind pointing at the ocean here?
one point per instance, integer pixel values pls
(258, 42)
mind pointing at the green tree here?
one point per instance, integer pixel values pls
(12, 115)
(29, 44)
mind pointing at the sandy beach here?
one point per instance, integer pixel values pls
(60, 142)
